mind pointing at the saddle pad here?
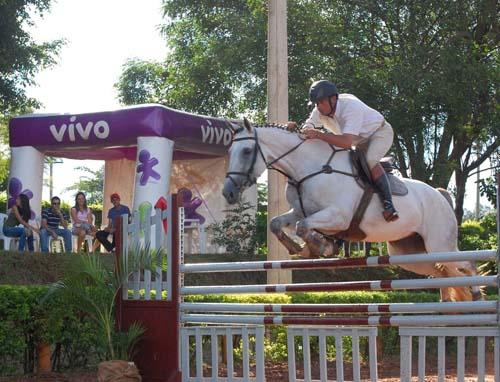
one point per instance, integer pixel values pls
(398, 188)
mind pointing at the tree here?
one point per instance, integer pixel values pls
(92, 185)
(430, 66)
(21, 58)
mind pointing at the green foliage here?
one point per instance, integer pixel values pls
(238, 231)
(488, 188)
(477, 235)
(24, 322)
(92, 186)
(482, 234)
(21, 58)
(93, 288)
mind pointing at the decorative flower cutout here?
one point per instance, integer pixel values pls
(190, 205)
(15, 187)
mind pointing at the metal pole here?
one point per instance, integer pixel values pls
(51, 185)
(498, 255)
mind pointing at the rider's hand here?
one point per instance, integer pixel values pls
(290, 125)
(54, 235)
(310, 133)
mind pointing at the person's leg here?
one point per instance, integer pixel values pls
(44, 240)
(31, 246)
(17, 232)
(66, 235)
(102, 236)
(81, 238)
(380, 143)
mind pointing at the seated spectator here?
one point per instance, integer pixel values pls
(82, 219)
(116, 211)
(52, 218)
(20, 214)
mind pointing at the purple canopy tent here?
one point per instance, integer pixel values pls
(113, 134)
(150, 135)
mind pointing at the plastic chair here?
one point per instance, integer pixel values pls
(195, 225)
(7, 241)
(88, 238)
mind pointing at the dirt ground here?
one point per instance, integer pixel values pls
(388, 371)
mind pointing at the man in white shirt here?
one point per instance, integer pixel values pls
(351, 121)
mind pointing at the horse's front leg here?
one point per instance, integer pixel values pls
(329, 220)
(288, 219)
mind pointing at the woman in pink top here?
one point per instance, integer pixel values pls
(82, 219)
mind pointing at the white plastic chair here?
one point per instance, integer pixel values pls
(88, 238)
(200, 228)
(7, 241)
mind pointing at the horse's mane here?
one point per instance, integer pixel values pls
(278, 126)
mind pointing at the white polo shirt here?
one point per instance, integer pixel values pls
(352, 116)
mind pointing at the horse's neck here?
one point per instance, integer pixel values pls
(303, 161)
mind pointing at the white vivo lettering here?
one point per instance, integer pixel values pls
(58, 135)
(84, 133)
(227, 137)
(71, 132)
(71, 129)
(101, 129)
(205, 132)
(211, 135)
(219, 133)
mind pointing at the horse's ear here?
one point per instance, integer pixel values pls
(247, 125)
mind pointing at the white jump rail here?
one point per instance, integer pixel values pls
(372, 261)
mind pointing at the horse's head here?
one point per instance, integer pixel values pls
(246, 162)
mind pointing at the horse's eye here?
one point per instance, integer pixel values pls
(247, 151)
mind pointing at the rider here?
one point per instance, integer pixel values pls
(351, 121)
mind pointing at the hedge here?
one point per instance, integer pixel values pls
(25, 321)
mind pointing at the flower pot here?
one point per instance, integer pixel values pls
(43, 352)
(118, 371)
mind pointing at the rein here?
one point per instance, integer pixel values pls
(251, 180)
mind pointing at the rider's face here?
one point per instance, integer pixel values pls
(324, 106)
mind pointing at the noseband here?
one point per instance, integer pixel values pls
(249, 179)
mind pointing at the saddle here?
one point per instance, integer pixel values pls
(358, 158)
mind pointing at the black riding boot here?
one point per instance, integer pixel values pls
(384, 187)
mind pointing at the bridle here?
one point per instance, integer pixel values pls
(250, 179)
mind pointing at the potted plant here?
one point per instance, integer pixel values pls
(93, 288)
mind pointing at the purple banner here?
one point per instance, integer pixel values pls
(113, 134)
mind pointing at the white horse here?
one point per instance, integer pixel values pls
(327, 202)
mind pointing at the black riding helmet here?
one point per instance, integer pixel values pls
(322, 89)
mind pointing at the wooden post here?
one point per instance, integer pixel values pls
(277, 111)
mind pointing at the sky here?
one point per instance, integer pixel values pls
(100, 36)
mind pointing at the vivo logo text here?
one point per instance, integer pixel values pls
(211, 134)
(99, 129)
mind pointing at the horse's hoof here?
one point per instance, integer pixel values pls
(477, 296)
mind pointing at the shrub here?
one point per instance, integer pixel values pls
(238, 231)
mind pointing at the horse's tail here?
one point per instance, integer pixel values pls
(446, 195)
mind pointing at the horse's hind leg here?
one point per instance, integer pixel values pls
(414, 244)
(436, 241)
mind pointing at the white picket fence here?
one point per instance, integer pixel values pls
(149, 231)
